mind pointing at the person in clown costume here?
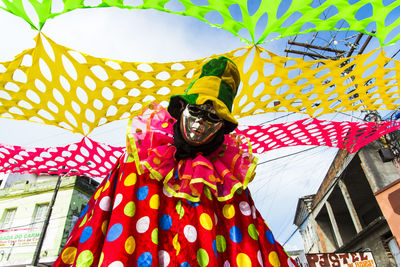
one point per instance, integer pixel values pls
(178, 196)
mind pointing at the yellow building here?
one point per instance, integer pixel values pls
(24, 202)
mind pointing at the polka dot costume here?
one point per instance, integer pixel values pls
(135, 219)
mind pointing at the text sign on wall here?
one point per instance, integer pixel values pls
(19, 237)
(353, 259)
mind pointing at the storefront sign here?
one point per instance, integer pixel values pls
(355, 259)
(19, 237)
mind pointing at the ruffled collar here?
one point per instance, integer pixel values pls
(220, 174)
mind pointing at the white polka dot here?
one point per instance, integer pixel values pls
(253, 211)
(116, 264)
(163, 258)
(245, 208)
(142, 224)
(290, 263)
(105, 203)
(166, 192)
(259, 257)
(215, 218)
(190, 233)
(226, 264)
(117, 201)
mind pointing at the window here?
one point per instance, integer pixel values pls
(40, 214)
(8, 218)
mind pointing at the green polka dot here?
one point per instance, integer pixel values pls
(202, 257)
(221, 243)
(154, 236)
(83, 221)
(208, 193)
(130, 209)
(85, 259)
(253, 231)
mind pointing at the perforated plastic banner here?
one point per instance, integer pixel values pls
(55, 85)
(350, 136)
(93, 159)
(88, 158)
(246, 18)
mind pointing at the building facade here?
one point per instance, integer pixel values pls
(24, 203)
(346, 213)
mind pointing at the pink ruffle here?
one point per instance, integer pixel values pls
(223, 172)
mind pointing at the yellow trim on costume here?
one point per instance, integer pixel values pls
(201, 180)
(249, 175)
(131, 147)
(233, 190)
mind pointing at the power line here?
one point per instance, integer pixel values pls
(288, 155)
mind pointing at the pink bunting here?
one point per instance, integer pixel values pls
(350, 136)
(86, 158)
(90, 158)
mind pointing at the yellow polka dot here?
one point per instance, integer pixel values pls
(101, 259)
(155, 202)
(205, 221)
(156, 161)
(130, 245)
(242, 260)
(83, 221)
(274, 259)
(68, 255)
(164, 125)
(98, 192)
(85, 259)
(229, 211)
(104, 227)
(130, 209)
(177, 245)
(107, 185)
(130, 179)
(91, 215)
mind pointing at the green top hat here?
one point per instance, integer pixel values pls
(218, 83)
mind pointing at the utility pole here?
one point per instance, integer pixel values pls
(36, 255)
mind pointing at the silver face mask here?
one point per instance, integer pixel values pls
(199, 124)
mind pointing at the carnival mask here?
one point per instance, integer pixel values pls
(199, 123)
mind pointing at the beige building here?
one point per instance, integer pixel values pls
(24, 202)
(345, 215)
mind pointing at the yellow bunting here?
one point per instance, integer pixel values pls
(155, 202)
(130, 179)
(130, 245)
(228, 211)
(242, 260)
(80, 92)
(68, 255)
(205, 221)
